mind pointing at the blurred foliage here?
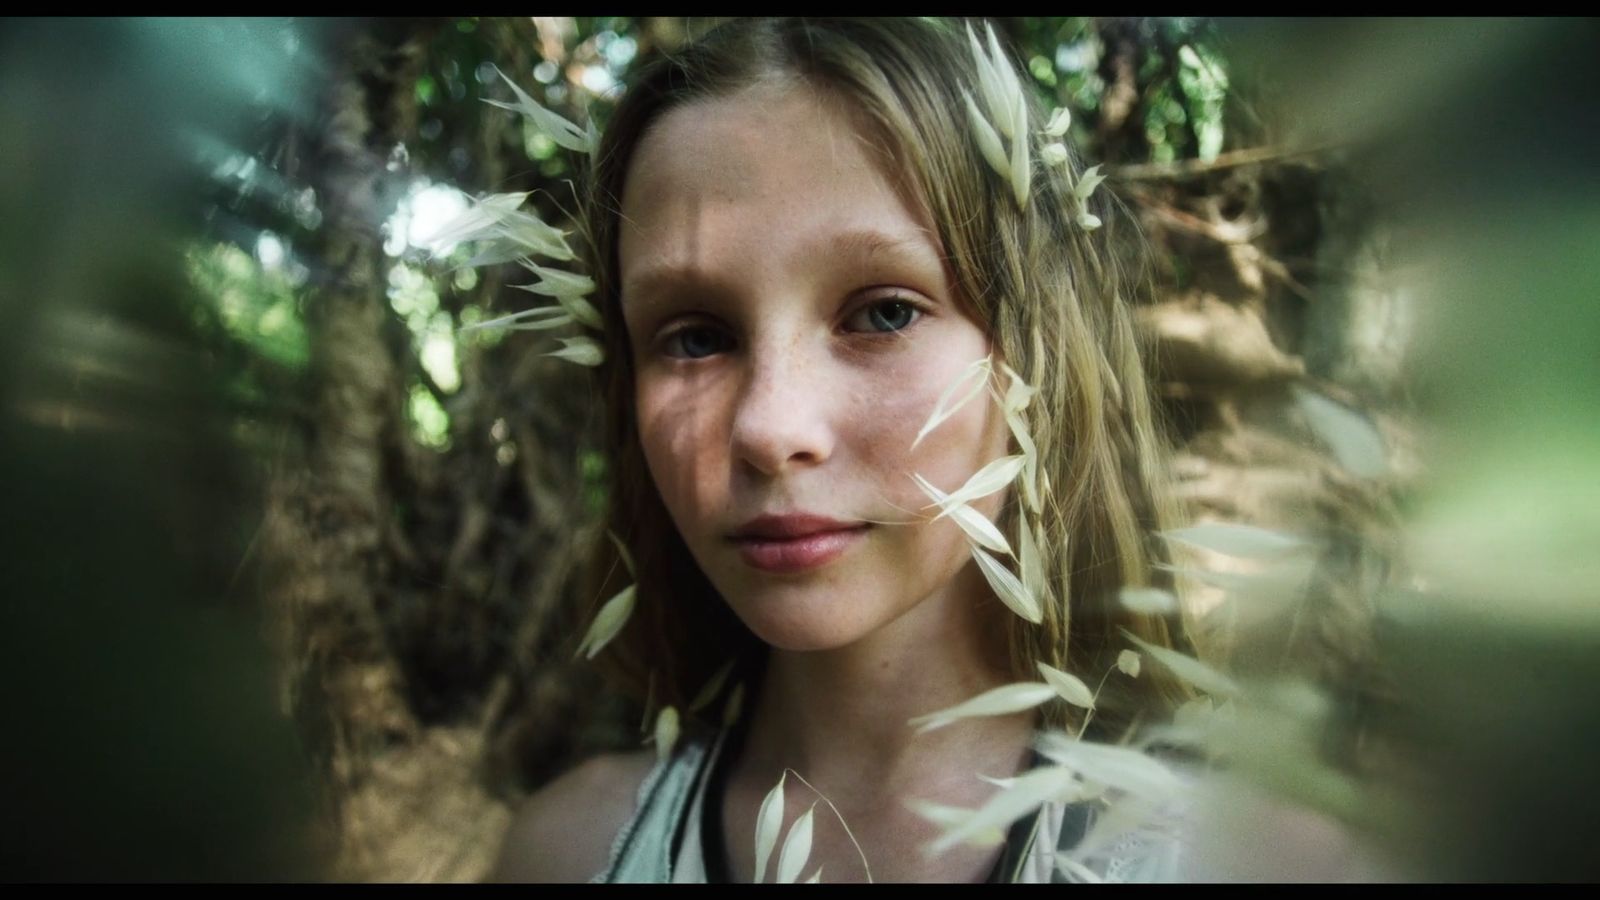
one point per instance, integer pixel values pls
(145, 741)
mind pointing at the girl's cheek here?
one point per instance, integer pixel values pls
(883, 421)
(665, 437)
(917, 388)
(679, 431)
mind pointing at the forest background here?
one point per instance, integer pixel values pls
(290, 564)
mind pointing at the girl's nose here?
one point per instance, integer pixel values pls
(782, 421)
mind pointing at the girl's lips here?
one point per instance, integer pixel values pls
(801, 553)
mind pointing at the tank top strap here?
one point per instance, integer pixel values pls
(642, 852)
(690, 863)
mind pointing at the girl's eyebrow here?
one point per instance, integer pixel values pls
(857, 243)
(908, 251)
(662, 277)
(868, 242)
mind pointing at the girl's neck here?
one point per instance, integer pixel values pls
(839, 717)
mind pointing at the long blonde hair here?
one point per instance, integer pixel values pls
(1051, 296)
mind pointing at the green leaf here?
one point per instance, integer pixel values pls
(1282, 582)
(479, 220)
(1029, 563)
(1018, 393)
(666, 732)
(1350, 435)
(1009, 90)
(558, 283)
(769, 821)
(608, 622)
(1030, 456)
(493, 253)
(1026, 794)
(796, 848)
(1147, 601)
(530, 232)
(977, 526)
(581, 350)
(1243, 541)
(1110, 766)
(1087, 182)
(976, 372)
(581, 310)
(1195, 714)
(1068, 686)
(520, 319)
(1060, 121)
(1021, 166)
(1128, 663)
(560, 319)
(991, 85)
(730, 712)
(987, 480)
(1187, 668)
(954, 817)
(1006, 586)
(554, 126)
(709, 690)
(622, 551)
(1000, 701)
(989, 144)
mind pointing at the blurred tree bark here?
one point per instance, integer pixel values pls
(327, 538)
(415, 587)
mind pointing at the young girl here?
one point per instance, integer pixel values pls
(810, 241)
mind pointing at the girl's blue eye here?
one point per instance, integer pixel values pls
(890, 315)
(695, 341)
(700, 341)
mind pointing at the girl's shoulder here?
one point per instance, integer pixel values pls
(564, 831)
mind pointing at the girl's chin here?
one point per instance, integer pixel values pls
(805, 621)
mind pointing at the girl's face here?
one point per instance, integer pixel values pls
(792, 325)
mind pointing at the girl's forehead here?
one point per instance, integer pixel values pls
(763, 142)
(770, 167)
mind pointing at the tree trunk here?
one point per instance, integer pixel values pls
(328, 531)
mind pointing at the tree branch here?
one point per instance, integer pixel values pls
(1189, 168)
